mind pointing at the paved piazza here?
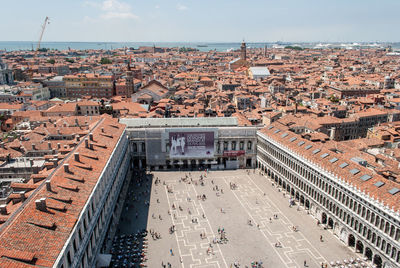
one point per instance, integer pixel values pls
(255, 199)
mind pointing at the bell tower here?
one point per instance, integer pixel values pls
(129, 80)
(243, 51)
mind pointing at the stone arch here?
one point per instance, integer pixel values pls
(302, 200)
(359, 247)
(377, 261)
(351, 241)
(368, 253)
(330, 223)
(324, 218)
(307, 204)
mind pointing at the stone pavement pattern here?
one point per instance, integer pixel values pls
(254, 199)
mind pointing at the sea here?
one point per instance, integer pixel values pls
(202, 46)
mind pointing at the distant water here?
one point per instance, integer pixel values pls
(202, 46)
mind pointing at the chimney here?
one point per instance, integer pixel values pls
(58, 145)
(91, 146)
(48, 185)
(76, 156)
(91, 136)
(102, 129)
(41, 204)
(66, 168)
(77, 137)
(333, 133)
(33, 146)
(86, 143)
(49, 145)
(3, 209)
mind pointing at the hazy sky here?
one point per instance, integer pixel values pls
(201, 20)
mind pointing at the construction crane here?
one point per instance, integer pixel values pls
(46, 21)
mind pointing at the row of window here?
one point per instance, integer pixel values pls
(322, 182)
(369, 216)
(106, 182)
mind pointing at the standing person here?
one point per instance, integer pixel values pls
(183, 145)
(170, 251)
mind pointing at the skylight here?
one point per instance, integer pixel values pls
(293, 139)
(365, 177)
(394, 191)
(270, 126)
(354, 171)
(308, 147)
(300, 143)
(343, 165)
(379, 184)
(316, 151)
(324, 155)
(333, 160)
(276, 131)
(284, 135)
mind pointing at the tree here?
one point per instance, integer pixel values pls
(51, 61)
(105, 61)
(70, 60)
(294, 47)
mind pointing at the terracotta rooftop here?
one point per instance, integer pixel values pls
(34, 237)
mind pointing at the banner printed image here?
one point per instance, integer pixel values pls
(191, 144)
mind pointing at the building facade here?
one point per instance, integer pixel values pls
(227, 146)
(342, 204)
(94, 85)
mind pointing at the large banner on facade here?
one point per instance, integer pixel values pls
(191, 144)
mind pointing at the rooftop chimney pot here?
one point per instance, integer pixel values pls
(66, 168)
(48, 185)
(76, 156)
(3, 209)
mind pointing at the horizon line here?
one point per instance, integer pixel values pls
(218, 42)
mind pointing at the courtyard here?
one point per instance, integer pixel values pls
(227, 218)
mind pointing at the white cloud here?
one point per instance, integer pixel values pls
(157, 6)
(181, 7)
(113, 9)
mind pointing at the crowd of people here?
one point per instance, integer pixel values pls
(129, 250)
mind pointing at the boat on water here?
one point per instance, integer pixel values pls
(202, 46)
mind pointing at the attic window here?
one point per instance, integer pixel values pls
(365, 177)
(300, 143)
(354, 171)
(284, 135)
(324, 155)
(276, 131)
(379, 184)
(269, 127)
(343, 165)
(316, 151)
(293, 139)
(308, 147)
(333, 160)
(394, 191)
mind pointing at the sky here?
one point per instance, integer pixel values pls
(202, 20)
